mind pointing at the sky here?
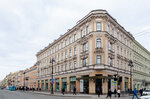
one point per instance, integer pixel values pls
(27, 26)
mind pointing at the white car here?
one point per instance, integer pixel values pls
(146, 92)
(145, 97)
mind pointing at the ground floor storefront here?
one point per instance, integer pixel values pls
(86, 82)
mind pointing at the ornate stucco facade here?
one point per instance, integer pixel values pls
(88, 56)
(141, 72)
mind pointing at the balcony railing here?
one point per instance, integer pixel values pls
(98, 50)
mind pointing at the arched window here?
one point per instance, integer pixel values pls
(98, 43)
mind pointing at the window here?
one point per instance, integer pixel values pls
(70, 53)
(121, 51)
(87, 29)
(98, 43)
(118, 63)
(65, 66)
(113, 31)
(75, 38)
(58, 57)
(118, 36)
(84, 47)
(117, 49)
(110, 46)
(75, 65)
(98, 26)
(58, 68)
(66, 54)
(70, 40)
(70, 67)
(55, 69)
(98, 59)
(81, 33)
(61, 44)
(61, 56)
(66, 42)
(75, 51)
(110, 61)
(84, 62)
(62, 67)
(55, 48)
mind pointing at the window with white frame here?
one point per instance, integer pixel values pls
(84, 47)
(125, 65)
(58, 57)
(75, 64)
(61, 56)
(75, 38)
(75, 51)
(58, 68)
(98, 43)
(66, 54)
(118, 63)
(121, 64)
(121, 51)
(70, 40)
(98, 26)
(55, 69)
(70, 54)
(113, 31)
(82, 33)
(87, 29)
(110, 61)
(62, 67)
(98, 59)
(84, 62)
(70, 65)
(110, 46)
(66, 42)
(61, 44)
(65, 66)
(55, 49)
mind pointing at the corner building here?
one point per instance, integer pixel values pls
(88, 56)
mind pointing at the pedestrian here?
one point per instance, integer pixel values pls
(98, 91)
(118, 92)
(141, 92)
(135, 93)
(63, 91)
(109, 94)
(115, 92)
(74, 91)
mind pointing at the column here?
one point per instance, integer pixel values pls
(60, 84)
(49, 84)
(122, 83)
(68, 84)
(105, 84)
(92, 85)
(77, 84)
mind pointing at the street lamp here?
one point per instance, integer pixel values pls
(24, 78)
(51, 61)
(131, 65)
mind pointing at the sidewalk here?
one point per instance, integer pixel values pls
(71, 95)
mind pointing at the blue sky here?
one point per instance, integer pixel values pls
(27, 26)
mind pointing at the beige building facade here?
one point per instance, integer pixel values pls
(88, 56)
(141, 72)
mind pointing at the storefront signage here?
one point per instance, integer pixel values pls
(73, 79)
(64, 79)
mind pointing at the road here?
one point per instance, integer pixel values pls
(6, 94)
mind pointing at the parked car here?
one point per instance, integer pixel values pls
(145, 97)
(12, 88)
(146, 92)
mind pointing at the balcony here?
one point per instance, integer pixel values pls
(99, 66)
(111, 54)
(98, 50)
(84, 54)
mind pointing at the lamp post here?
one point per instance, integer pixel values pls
(131, 65)
(51, 61)
(24, 78)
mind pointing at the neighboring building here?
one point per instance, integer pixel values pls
(31, 77)
(88, 56)
(141, 72)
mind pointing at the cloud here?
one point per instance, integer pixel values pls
(27, 26)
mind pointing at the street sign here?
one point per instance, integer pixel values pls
(114, 82)
(52, 81)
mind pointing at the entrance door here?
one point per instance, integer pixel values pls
(98, 84)
(86, 86)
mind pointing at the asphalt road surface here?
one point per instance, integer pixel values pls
(6, 94)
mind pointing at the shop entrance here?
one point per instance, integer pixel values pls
(64, 83)
(86, 85)
(98, 83)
